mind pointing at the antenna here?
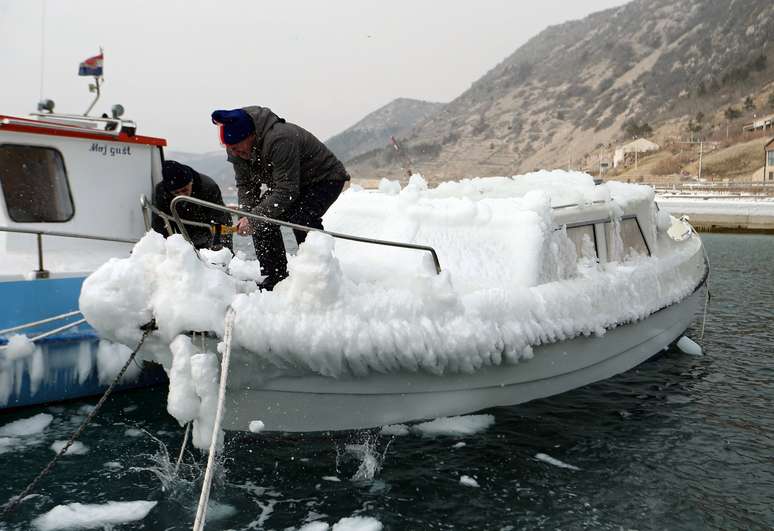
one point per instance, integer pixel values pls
(42, 45)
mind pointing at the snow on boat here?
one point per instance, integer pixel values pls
(69, 187)
(548, 282)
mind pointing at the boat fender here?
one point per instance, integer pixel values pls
(689, 346)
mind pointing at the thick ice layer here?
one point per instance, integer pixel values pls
(510, 281)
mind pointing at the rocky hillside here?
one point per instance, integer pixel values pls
(580, 87)
(397, 118)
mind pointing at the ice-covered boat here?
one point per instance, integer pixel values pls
(69, 191)
(547, 282)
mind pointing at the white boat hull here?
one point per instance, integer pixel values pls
(319, 403)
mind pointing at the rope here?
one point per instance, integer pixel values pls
(9, 508)
(182, 447)
(204, 498)
(708, 296)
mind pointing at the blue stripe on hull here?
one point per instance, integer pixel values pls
(69, 358)
(24, 301)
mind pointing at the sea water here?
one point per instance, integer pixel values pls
(681, 442)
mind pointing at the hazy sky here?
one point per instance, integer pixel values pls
(321, 64)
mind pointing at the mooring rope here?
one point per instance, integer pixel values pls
(708, 295)
(15, 501)
(204, 498)
(182, 447)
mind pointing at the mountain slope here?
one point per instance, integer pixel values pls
(568, 92)
(374, 131)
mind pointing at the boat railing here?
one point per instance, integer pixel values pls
(41, 272)
(148, 209)
(47, 333)
(187, 199)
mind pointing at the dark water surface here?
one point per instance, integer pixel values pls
(681, 442)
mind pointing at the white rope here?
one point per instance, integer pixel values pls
(36, 323)
(204, 498)
(707, 294)
(182, 447)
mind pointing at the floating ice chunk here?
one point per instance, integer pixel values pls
(395, 429)
(133, 432)
(18, 346)
(459, 445)
(468, 481)
(113, 465)
(83, 516)
(315, 526)
(689, 346)
(28, 426)
(8, 444)
(256, 426)
(358, 523)
(455, 426)
(219, 511)
(77, 448)
(551, 461)
(331, 478)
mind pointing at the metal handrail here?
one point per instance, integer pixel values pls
(67, 234)
(40, 272)
(147, 206)
(250, 215)
(38, 323)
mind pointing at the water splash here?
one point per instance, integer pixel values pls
(363, 452)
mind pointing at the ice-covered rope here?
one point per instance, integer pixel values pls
(14, 502)
(204, 498)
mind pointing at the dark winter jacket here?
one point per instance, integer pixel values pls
(205, 189)
(286, 158)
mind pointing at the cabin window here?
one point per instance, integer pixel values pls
(771, 157)
(631, 241)
(34, 183)
(585, 242)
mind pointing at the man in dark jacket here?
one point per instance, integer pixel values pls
(299, 175)
(180, 179)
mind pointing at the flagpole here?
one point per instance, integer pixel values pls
(94, 88)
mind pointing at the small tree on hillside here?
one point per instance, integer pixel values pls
(634, 129)
(732, 114)
(749, 104)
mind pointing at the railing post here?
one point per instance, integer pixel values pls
(40, 272)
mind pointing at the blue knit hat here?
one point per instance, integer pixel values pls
(176, 175)
(235, 125)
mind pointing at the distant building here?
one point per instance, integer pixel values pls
(762, 124)
(768, 163)
(641, 145)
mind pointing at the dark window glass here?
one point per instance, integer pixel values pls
(34, 184)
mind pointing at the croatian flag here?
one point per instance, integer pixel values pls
(91, 66)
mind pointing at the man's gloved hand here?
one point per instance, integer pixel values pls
(244, 227)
